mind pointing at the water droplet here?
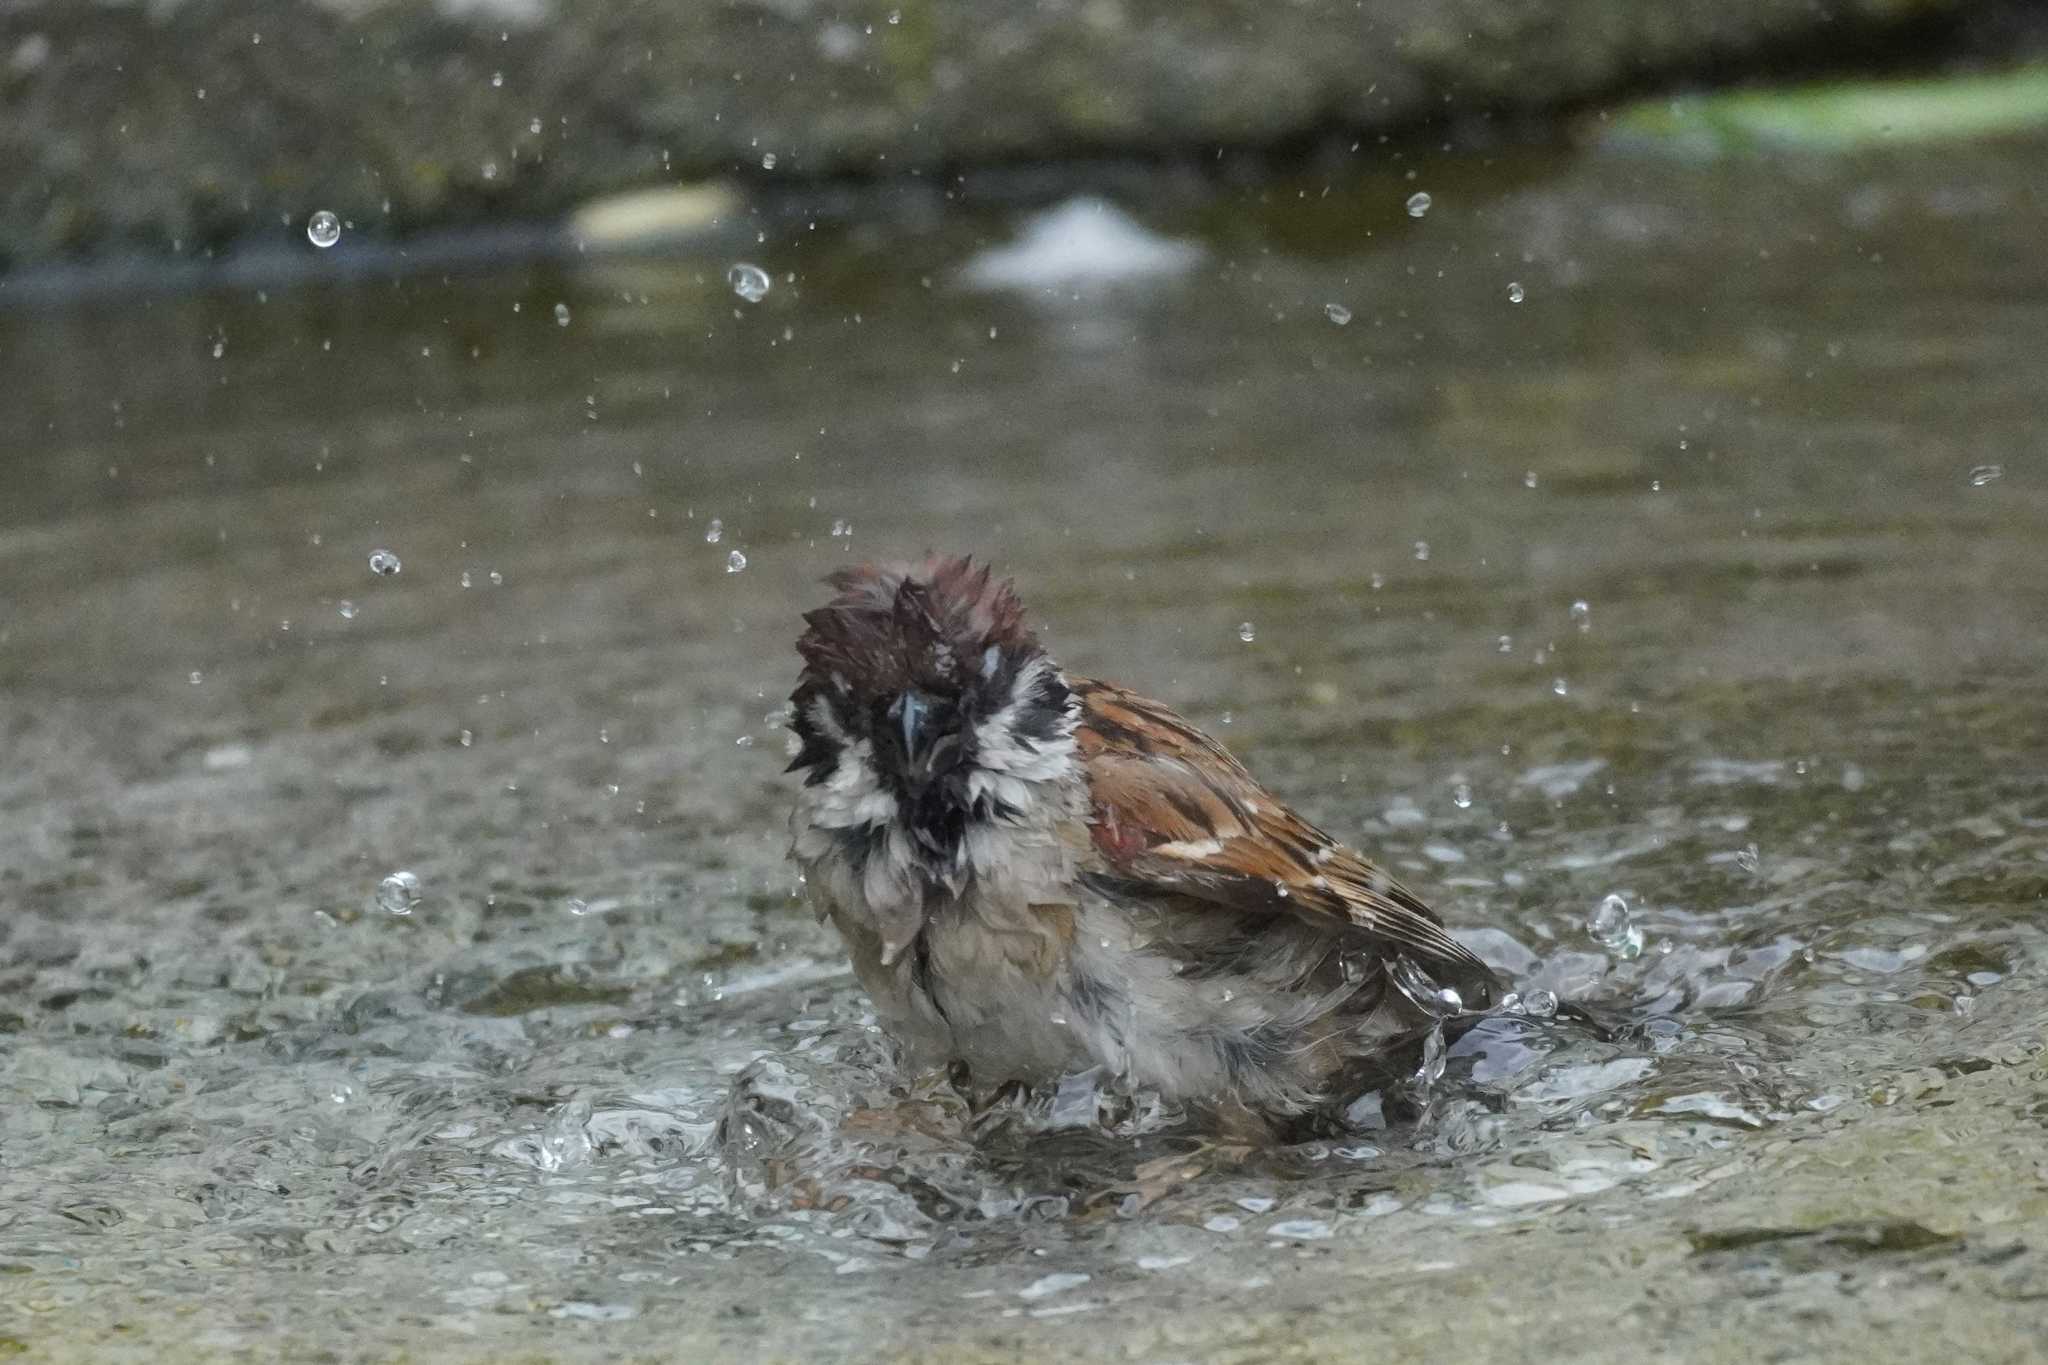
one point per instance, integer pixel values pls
(1461, 796)
(383, 563)
(1504, 644)
(565, 1142)
(842, 527)
(1247, 632)
(497, 579)
(735, 561)
(745, 741)
(399, 893)
(497, 80)
(715, 532)
(1515, 292)
(750, 282)
(1614, 929)
(465, 739)
(1582, 615)
(195, 677)
(1528, 478)
(1560, 686)
(347, 609)
(1432, 1069)
(767, 161)
(465, 578)
(1750, 859)
(1540, 1004)
(1418, 204)
(1986, 473)
(561, 315)
(1422, 989)
(534, 127)
(323, 229)
(578, 907)
(1337, 313)
(895, 16)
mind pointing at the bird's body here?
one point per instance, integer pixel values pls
(1037, 873)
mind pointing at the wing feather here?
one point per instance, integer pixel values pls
(1176, 815)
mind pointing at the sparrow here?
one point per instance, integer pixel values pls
(1036, 873)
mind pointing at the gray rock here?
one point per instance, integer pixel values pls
(174, 124)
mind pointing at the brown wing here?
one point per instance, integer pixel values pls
(1176, 815)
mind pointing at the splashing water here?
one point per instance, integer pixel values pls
(750, 282)
(1612, 926)
(399, 893)
(1422, 990)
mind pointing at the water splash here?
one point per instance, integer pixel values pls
(399, 893)
(1613, 927)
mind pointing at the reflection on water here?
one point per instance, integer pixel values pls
(401, 948)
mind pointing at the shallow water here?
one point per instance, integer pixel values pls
(1799, 725)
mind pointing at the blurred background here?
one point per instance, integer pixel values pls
(1581, 452)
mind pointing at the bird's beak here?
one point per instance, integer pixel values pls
(913, 713)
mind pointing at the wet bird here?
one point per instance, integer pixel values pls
(1037, 873)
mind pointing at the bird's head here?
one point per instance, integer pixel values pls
(927, 673)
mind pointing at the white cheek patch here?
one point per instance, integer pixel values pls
(999, 750)
(852, 795)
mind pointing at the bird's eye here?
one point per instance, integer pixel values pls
(991, 659)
